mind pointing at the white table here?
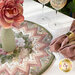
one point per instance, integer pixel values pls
(32, 11)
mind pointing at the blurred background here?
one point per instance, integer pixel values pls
(69, 9)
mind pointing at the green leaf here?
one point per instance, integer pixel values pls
(3, 59)
(10, 57)
(0, 45)
(71, 6)
(1, 55)
(74, 1)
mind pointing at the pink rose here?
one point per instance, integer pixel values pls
(11, 13)
(20, 1)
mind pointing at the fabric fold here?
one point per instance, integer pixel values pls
(65, 44)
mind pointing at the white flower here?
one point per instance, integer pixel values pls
(20, 42)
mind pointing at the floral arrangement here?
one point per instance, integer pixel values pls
(23, 49)
(11, 15)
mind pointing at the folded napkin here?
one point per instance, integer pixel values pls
(65, 44)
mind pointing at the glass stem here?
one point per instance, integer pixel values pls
(56, 17)
(43, 11)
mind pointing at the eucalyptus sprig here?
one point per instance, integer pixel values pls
(9, 57)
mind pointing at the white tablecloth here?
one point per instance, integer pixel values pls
(32, 12)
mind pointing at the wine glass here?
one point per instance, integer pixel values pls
(57, 5)
(43, 2)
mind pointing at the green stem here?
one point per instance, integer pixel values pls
(8, 40)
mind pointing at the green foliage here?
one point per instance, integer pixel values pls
(10, 55)
(74, 1)
(28, 42)
(8, 58)
(71, 6)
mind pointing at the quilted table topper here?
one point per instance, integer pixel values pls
(32, 55)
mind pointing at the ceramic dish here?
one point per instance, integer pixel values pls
(32, 55)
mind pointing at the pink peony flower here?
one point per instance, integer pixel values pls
(20, 1)
(11, 13)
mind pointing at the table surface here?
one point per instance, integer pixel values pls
(33, 12)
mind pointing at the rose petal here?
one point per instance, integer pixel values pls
(0, 12)
(1, 4)
(9, 2)
(8, 20)
(10, 13)
(4, 14)
(15, 11)
(20, 8)
(19, 18)
(5, 24)
(20, 1)
(7, 14)
(16, 24)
